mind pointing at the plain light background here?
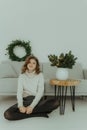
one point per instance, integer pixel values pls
(52, 26)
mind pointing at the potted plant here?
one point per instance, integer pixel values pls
(63, 61)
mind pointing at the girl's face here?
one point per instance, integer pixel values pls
(31, 65)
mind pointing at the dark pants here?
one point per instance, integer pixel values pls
(42, 109)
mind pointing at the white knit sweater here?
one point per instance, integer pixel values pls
(32, 84)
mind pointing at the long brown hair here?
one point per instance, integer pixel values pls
(24, 68)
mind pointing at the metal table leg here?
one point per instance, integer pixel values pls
(62, 96)
(72, 91)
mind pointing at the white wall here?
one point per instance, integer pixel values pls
(52, 26)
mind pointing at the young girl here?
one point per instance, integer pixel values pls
(30, 93)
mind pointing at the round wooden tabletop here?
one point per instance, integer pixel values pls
(69, 82)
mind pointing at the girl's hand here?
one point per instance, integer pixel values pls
(29, 110)
(22, 109)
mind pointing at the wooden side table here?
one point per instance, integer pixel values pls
(62, 86)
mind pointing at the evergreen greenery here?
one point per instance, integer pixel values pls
(63, 60)
(18, 43)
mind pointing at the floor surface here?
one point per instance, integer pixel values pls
(69, 121)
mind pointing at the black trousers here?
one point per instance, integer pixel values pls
(42, 109)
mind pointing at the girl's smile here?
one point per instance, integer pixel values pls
(31, 65)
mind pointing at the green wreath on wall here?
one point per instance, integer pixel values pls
(18, 43)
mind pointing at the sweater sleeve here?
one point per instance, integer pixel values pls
(40, 91)
(20, 91)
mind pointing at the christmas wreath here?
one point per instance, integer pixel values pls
(18, 43)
